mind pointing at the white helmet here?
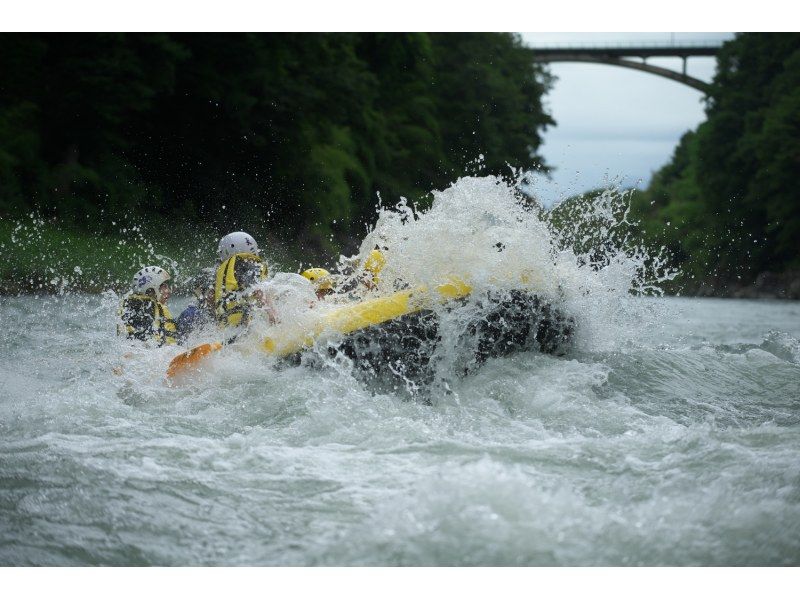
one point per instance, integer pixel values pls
(238, 242)
(149, 277)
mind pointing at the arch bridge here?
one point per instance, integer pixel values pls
(621, 55)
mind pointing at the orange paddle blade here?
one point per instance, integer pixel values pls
(191, 360)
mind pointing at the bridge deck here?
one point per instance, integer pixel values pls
(641, 51)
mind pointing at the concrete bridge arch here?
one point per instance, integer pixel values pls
(625, 56)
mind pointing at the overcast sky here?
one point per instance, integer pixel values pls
(614, 122)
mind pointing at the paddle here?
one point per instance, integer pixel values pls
(190, 360)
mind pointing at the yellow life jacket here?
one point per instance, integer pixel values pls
(144, 318)
(230, 307)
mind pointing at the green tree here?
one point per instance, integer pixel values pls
(727, 204)
(293, 133)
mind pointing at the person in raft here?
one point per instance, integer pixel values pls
(322, 281)
(240, 268)
(143, 311)
(373, 264)
(200, 313)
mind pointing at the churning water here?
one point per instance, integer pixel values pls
(669, 435)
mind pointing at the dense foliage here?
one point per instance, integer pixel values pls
(298, 131)
(728, 203)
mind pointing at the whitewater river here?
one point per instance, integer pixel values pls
(678, 445)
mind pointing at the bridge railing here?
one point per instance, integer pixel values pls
(628, 44)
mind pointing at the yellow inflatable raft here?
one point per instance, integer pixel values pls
(343, 320)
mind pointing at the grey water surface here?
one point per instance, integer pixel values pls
(679, 446)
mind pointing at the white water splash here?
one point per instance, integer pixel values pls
(483, 230)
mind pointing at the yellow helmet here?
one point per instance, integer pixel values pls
(375, 262)
(320, 277)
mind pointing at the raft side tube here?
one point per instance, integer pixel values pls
(359, 316)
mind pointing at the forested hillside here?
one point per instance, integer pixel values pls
(298, 131)
(728, 203)
(297, 135)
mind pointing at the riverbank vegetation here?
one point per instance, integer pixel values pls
(301, 132)
(727, 205)
(46, 256)
(123, 147)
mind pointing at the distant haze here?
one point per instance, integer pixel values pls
(612, 122)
